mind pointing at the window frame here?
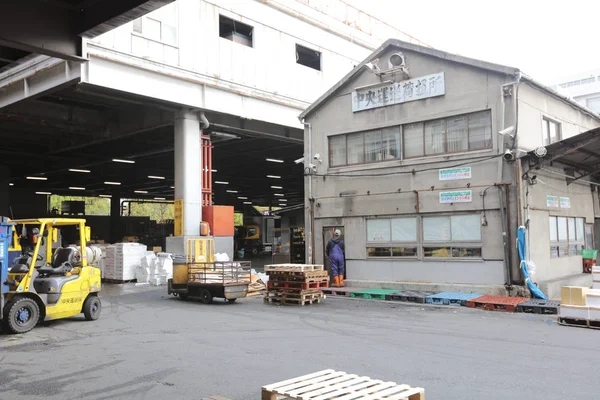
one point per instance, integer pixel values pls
(451, 244)
(233, 22)
(391, 244)
(546, 121)
(307, 49)
(400, 127)
(559, 244)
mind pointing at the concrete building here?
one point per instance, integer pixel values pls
(404, 155)
(583, 88)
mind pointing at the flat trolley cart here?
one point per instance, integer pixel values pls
(227, 280)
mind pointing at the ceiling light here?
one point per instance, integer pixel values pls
(172, 187)
(232, 191)
(76, 188)
(221, 183)
(273, 177)
(282, 200)
(11, 184)
(106, 195)
(37, 178)
(213, 170)
(155, 177)
(140, 191)
(274, 160)
(276, 187)
(279, 194)
(159, 198)
(242, 198)
(123, 161)
(112, 183)
(247, 202)
(48, 193)
(84, 171)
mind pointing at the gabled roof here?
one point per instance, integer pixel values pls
(472, 62)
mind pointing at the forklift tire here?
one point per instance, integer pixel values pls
(205, 296)
(21, 315)
(92, 307)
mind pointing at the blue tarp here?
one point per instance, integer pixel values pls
(521, 245)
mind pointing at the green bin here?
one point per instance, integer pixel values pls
(590, 254)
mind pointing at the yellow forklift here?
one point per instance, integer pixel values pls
(43, 284)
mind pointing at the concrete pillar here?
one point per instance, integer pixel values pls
(188, 167)
(4, 195)
(115, 218)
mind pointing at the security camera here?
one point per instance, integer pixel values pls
(507, 131)
(373, 66)
(312, 167)
(299, 161)
(509, 155)
(317, 156)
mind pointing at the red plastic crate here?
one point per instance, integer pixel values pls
(496, 303)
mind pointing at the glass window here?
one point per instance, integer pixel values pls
(466, 228)
(413, 140)
(404, 252)
(571, 226)
(551, 131)
(445, 252)
(553, 230)
(337, 150)
(562, 229)
(152, 28)
(355, 144)
(466, 252)
(580, 229)
(404, 229)
(480, 130)
(378, 230)
(434, 137)
(137, 25)
(379, 252)
(372, 146)
(169, 34)
(594, 104)
(390, 143)
(545, 132)
(456, 131)
(436, 229)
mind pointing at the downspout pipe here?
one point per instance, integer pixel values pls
(311, 200)
(204, 124)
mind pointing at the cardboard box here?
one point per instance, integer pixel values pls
(220, 220)
(594, 314)
(593, 300)
(573, 295)
(574, 312)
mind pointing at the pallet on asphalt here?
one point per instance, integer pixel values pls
(378, 294)
(295, 275)
(293, 299)
(496, 303)
(339, 291)
(579, 323)
(294, 267)
(329, 384)
(450, 298)
(292, 285)
(410, 296)
(539, 306)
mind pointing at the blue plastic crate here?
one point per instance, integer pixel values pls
(450, 299)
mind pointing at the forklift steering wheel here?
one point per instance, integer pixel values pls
(39, 258)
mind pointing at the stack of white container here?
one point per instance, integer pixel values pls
(155, 270)
(579, 303)
(596, 277)
(122, 259)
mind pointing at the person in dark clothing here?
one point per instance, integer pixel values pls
(336, 253)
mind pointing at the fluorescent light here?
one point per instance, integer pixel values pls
(276, 187)
(282, 200)
(76, 188)
(37, 178)
(48, 193)
(172, 187)
(11, 184)
(221, 183)
(159, 198)
(140, 191)
(84, 171)
(214, 170)
(112, 183)
(279, 194)
(231, 191)
(123, 161)
(106, 195)
(247, 202)
(273, 177)
(155, 177)
(242, 198)
(274, 160)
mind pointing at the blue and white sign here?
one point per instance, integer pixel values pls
(453, 174)
(388, 94)
(458, 196)
(565, 202)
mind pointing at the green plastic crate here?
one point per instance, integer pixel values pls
(589, 254)
(378, 294)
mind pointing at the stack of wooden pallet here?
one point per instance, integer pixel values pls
(296, 284)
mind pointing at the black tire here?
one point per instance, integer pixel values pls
(205, 296)
(92, 307)
(21, 315)
(231, 300)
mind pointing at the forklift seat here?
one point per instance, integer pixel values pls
(62, 262)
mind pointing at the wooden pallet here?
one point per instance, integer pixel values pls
(294, 267)
(293, 285)
(329, 384)
(334, 291)
(296, 298)
(310, 276)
